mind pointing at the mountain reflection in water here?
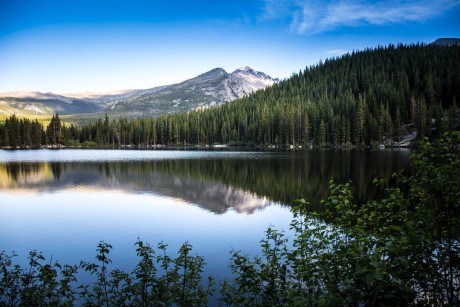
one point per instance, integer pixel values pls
(243, 184)
(138, 178)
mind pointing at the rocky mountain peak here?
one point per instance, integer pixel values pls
(245, 69)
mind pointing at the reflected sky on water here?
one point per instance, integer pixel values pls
(63, 202)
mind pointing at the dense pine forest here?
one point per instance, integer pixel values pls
(363, 98)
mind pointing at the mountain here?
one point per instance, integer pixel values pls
(366, 98)
(446, 41)
(36, 103)
(214, 87)
(373, 97)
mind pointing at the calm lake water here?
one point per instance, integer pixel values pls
(63, 202)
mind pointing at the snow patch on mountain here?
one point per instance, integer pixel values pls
(251, 80)
(246, 80)
(34, 108)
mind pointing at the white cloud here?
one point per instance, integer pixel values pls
(314, 16)
(275, 9)
(336, 52)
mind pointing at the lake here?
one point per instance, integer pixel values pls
(63, 202)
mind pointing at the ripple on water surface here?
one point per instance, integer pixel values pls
(101, 155)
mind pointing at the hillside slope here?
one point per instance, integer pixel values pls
(36, 103)
(446, 41)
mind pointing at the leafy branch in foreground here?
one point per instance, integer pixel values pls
(176, 282)
(41, 284)
(398, 250)
(402, 249)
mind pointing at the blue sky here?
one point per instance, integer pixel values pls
(67, 46)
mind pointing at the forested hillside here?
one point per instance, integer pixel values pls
(362, 98)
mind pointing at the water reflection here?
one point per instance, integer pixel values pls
(217, 184)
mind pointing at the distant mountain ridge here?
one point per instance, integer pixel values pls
(214, 87)
(446, 41)
(37, 103)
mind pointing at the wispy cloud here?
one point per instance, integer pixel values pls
(314, 16)
(336, 52)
